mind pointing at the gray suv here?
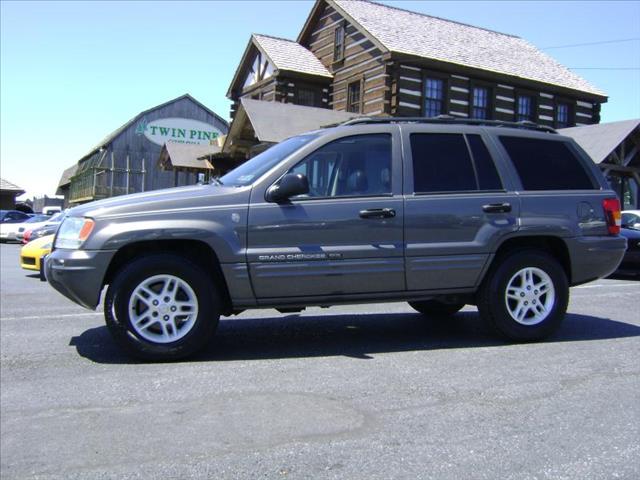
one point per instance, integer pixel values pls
(438, 213)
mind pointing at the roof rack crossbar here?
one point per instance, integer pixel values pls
(446, 119)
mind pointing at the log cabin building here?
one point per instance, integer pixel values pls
(367, 58)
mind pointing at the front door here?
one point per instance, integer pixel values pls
(344, 237)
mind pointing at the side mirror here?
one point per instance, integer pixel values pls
(290, 185)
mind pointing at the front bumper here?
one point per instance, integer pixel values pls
(78, 274)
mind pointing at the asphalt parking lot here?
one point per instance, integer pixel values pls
(362, 392)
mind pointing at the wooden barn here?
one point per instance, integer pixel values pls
(128, 159)
(362, 57)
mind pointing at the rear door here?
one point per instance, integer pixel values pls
(345, 236)
(456, 206)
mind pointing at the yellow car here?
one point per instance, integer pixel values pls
(32, 252)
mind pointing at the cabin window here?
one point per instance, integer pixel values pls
(480, 103)
(562, 115)
(338, 43)
(306, 96)
(353, 97)
(433, 97)
(524, 108)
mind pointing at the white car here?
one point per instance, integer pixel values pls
(631, 219)
(9, 232)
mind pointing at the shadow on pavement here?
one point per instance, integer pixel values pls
(356, 336)
(625, 275)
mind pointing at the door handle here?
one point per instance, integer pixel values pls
(378, 213)
(497, 207)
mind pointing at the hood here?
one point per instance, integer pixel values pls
(192, 196)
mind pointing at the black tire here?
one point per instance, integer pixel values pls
(435, 308)
(116, 307)
(494, 307)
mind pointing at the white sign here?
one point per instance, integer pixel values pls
(178, 130)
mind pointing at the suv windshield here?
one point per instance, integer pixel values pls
(253, 169)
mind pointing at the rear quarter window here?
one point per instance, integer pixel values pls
(547, 164)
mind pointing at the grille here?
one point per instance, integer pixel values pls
(28, 260)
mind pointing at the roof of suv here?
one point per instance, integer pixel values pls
(447, 120)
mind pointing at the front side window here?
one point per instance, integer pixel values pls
(433, 97)
(338, 44)
(351, 166)
(251, 170)
(480, 103)
(546, 164)
(524, 110)
(562, 115)
(353, 97)
(450, 163)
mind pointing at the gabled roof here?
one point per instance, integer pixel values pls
(274, 121)
(109, 138)
(65, 178)
(601, 139)
(7, 186)
(285, 55)
(404, 32)
(186, 155)
(291, 56)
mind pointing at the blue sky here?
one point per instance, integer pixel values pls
(71, 72)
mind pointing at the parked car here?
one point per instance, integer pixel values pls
(32, 253)
(10, 231)
(439, 213)
(8, 218)
(631, 230)
(48, 228)
(13, 216)
(631, 219)
(51, 210)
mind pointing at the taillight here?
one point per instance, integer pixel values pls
(612, 213)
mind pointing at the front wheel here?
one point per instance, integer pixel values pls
(525, 297)
(162, 307)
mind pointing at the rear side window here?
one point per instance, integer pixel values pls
(547, 164)
(444, 163)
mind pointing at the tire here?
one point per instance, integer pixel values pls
(435, 308)
(162, 307)
(510, 303)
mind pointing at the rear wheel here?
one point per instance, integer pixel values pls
(162, 307)
(436, 308)
(525, 297)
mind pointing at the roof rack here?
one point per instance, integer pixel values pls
(448, 119)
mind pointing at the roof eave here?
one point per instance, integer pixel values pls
(595, 96)
(307, 25)
(236, 75)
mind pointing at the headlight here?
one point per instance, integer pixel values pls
(73, 232)
(47, 246)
